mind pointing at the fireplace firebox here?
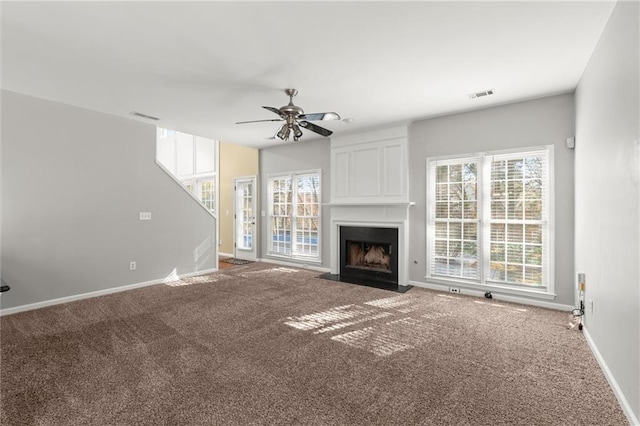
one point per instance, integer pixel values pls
(369, 254)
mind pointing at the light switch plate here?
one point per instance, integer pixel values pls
(145, 215)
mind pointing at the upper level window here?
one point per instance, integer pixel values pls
(489, 219)
(191, 160)
(294, 214)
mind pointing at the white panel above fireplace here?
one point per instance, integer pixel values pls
(370, 168)
(340, 174)
(364, 173)
(392, 174)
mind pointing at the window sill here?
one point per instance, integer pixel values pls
(313, 260)
(505, 289)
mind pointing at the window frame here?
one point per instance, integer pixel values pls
(292, 176)
(483, 196)
(191, 182)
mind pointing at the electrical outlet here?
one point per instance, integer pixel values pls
(132, 266)
(220, 242)
(591, 306)
(454, 290)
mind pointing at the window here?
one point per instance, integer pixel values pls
(295, 215)
(206, 190)
(488, 219)
(191, 160)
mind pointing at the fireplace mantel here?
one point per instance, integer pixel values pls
(378, 215)
(370, 188)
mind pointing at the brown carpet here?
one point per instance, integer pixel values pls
(261, 344)
(234, 261)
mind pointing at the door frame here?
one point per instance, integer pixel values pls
(243, 253)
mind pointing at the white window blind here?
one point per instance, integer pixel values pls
(455, 219)
(488, 219)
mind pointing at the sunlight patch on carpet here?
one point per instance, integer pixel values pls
(341, 325)
(320, 319)
(382, 327)
(371, 340)
(200, 279)
(394, 336)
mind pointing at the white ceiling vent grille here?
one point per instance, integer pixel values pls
(480, 94)
(139, 114)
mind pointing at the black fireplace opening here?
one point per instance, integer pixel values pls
(369, 254)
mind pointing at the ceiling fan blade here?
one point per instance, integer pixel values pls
(319, 130)
(258, 121)
(320, 116)
(274, 110)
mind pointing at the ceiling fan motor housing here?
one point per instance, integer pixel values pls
(291, 110)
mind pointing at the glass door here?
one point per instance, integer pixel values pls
(245, 219)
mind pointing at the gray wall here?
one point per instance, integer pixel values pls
(73, 183)
(607, 198)
(292, 157)
(538, 122)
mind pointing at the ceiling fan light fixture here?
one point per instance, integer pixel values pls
(283, 132)
(297, 133)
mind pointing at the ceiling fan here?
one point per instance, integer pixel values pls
(295, 118)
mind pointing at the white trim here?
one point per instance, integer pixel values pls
(305, 259)
(290, 174)
(216, 164)
(403, 242)
(293, 175)
(624, 404)
(388, 133)
(483, 196)
(295, 265)
(496, 296)
(252, 253)
(383, 203)
(550, 254)
(224, 254)
(104, 292)
(499, 287)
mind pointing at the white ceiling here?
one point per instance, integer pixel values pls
(202, 66)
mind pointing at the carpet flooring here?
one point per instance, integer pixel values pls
(234, 261)
(263, 344)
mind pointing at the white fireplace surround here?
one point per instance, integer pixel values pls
(369, 176)
(376, 217)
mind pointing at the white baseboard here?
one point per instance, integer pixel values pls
(626, 408)
(296, 265)
(496, 296)
(91, 294)
(225, 254)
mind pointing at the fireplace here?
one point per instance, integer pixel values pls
(369, 254)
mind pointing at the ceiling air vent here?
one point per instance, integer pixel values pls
(480, 94)
(139, 114)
